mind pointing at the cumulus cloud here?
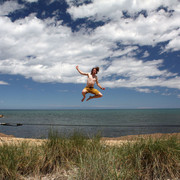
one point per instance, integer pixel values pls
(142, 30)
(113, 8)
(174, 44)
(130, 67)
(9, 6)
(48, 50)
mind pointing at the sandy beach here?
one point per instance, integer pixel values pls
(10, 139)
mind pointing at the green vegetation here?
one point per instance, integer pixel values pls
(83, 158)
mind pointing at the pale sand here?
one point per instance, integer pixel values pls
(9, 139)
(132, 138)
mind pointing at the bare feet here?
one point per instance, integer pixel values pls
(83, 98)
(90, 97)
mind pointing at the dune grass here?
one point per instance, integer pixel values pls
(91, 159)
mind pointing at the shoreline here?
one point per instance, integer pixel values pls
(10, 139)
(126, 137)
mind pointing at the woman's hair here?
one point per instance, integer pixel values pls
(97, 70)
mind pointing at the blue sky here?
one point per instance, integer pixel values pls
(135, 43)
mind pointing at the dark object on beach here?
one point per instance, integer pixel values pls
(1, 115)
(10, 124)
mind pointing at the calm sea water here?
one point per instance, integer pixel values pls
(110, 123)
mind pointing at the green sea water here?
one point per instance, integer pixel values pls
(108, 122)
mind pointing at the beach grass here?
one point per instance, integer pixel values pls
(80, 157)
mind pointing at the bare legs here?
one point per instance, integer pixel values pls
(84, 95)
(95, 96)
(84, 92)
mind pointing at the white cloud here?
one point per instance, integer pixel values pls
(3, 83)
(48, 51)
(142, 30)
(146, 90)
(158, 26)
(146, 54)
(174, 44)
(45, 51)
(113, 8)
(166, 94)
(9, 6)
(130, 67)
(144, 82)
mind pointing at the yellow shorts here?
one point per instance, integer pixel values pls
(91, 90)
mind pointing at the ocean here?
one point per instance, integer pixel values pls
(107, 122)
